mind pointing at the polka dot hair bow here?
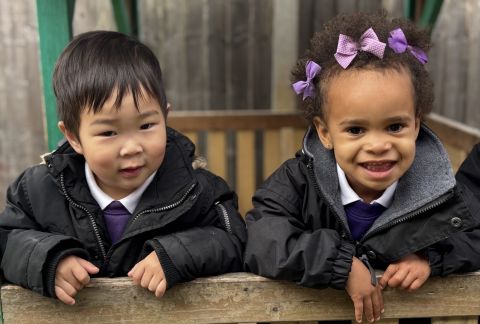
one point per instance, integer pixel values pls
(398, 42)
(307, 87)
(347, 48)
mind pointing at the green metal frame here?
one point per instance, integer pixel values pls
(55, 31)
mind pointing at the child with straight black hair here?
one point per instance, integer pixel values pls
(372, 186)
(120, 197)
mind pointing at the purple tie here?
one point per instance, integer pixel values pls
(116, 218)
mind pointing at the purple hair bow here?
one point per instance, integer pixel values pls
(398, 42)
(307, 87)
(347, 48)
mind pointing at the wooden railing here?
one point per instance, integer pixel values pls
(240, 298)
(262, 140)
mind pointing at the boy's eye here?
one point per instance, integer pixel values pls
(355, 130)
(147, 126)
(395, 128)
(107, 133)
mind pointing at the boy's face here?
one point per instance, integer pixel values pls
(122, 147)
(371, 127)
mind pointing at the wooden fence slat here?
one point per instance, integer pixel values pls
(239, 297)
(271, 152)
(216, 148)
(245, 178)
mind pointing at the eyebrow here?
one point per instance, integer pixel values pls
(394, 119)
(111, 121)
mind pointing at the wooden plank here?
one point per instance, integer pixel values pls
(454, 133)
(22, 130)
(217, 54)
(245, 160)
(216, 148)
(271, 152)
(455, 320)
(284, 48)
(243, 119)
(239, 297)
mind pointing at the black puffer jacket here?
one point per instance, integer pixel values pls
(189, 217)
(298, 229)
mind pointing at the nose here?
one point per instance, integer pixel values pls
(377, 144)
(131, 146)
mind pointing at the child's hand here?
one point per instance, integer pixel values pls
(409, 273)
(148, 273)
(367, 299)
(72, 274)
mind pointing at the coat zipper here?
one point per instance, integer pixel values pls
(224, 213)
(317, 188)
(439, 201)
(90, 216)
(167, 207)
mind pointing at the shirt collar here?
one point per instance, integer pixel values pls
(130, 202)
(348, 195)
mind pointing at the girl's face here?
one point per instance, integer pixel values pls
(371, 126)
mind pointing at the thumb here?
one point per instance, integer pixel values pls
(88, 266)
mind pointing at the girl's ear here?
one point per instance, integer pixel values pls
(323, 133)
(71, 138)
(169, 108)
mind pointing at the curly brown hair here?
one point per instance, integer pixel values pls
(324, 46)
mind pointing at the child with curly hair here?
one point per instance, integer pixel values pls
(372, 186)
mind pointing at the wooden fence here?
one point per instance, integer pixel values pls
(240, 298)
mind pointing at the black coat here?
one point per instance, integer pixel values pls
(189, 217)
(298, 229)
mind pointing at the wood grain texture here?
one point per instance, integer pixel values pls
(239, 297)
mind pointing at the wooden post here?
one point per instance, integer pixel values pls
(55, 30)
(284, 53)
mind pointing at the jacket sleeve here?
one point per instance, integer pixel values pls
(282, 246)
(461, 251)
(26, 250)
(212, 246)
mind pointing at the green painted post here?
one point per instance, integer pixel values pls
(122, 19)
(430, 13)
(55, 31)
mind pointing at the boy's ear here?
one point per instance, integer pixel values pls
(323, 133)
(418, 123)
(169, 107)
(71, 138)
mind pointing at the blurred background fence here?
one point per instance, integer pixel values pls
(224, 55)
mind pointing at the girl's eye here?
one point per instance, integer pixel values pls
(147, 126)
(355, 130)
(395, 128)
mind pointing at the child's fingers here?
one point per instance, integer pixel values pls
(389, 273)
(407, 282)
(368, 309)
(81, 277)
(417, 283)
(398, 278)
(161, 288)
(152, 286)
(137, 273)
(358, 307)
(63, 296)
(146, 278)
(377, 303)
(88, 266)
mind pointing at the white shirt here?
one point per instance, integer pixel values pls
(348, 195)
(130, 202)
